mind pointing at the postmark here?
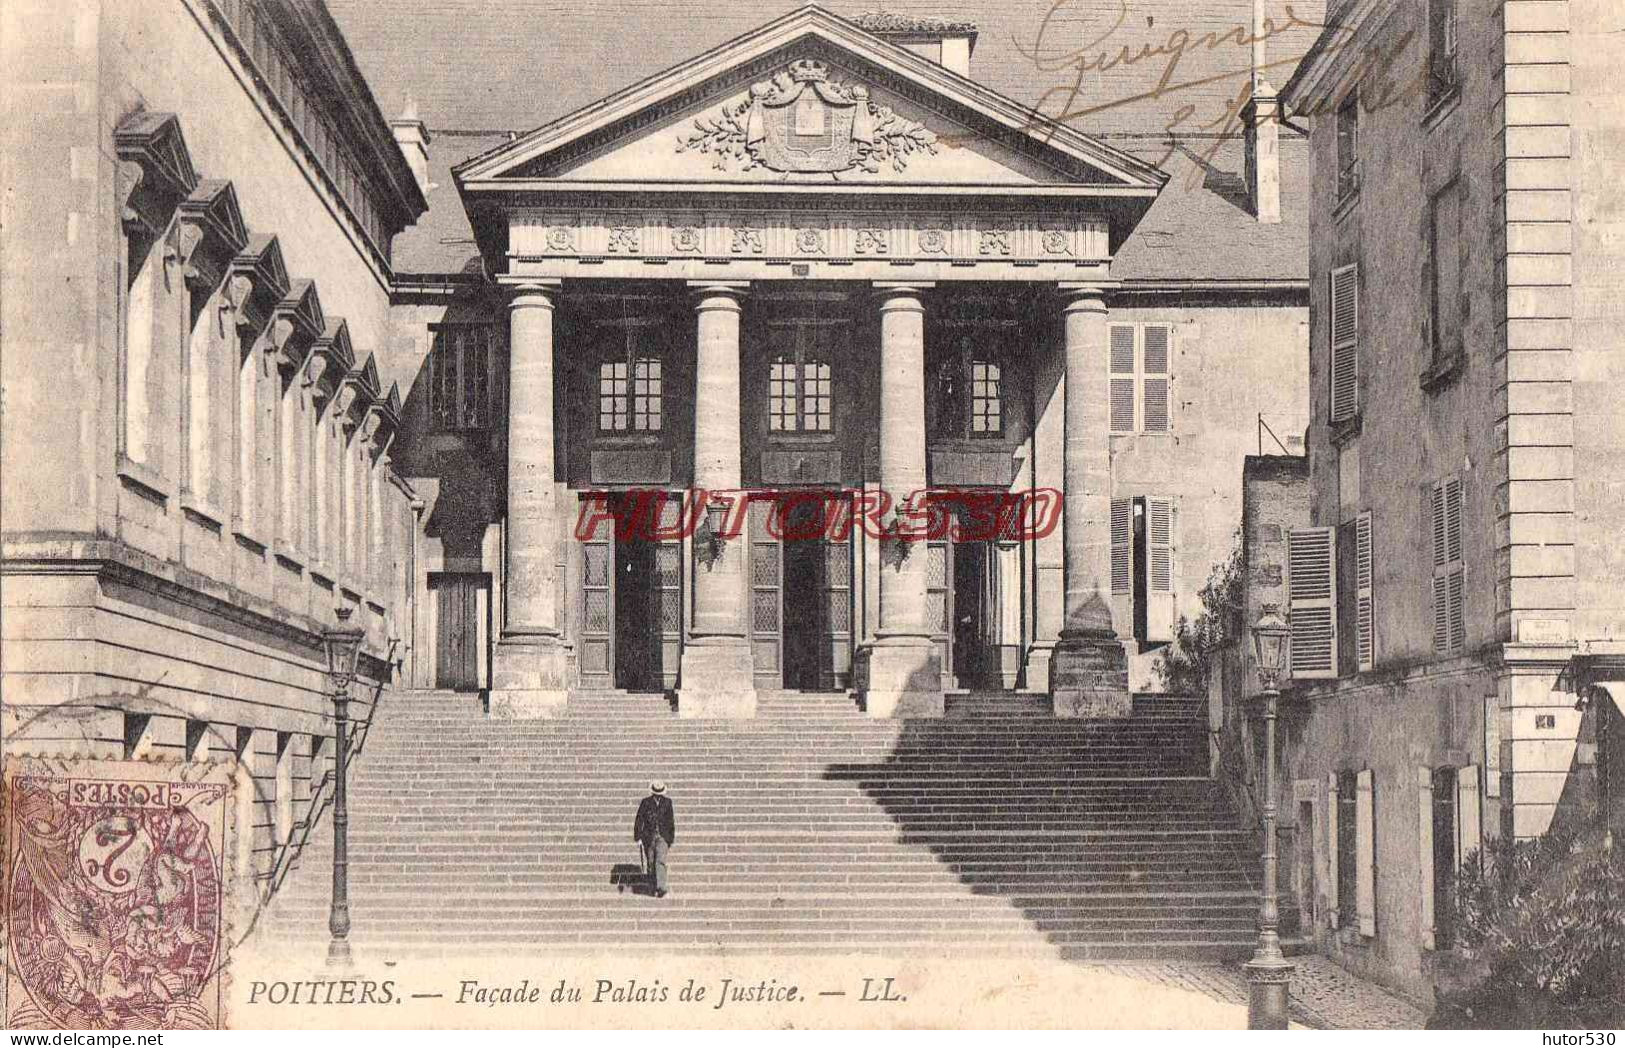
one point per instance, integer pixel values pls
(117, 893)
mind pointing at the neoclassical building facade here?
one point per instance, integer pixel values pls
(822, 265)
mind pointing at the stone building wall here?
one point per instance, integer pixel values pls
(147, 608)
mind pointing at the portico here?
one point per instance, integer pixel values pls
(850, 270)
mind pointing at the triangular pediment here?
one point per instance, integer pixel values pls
(336, 340)
(367, 377)
(302, 307)
(808, 98)
(261, 260)
(213, 205)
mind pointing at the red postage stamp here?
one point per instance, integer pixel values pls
(116, 893)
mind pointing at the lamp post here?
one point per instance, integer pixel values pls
(343, 646)
(1269, 972)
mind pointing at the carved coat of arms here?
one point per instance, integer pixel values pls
(802, 121)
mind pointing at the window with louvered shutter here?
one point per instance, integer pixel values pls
(1364, 607)
(1160, 532)
(1122, 546)
(1122, 379)
(1365, 845)
(1334, 864)
(1424, 852)
(1154, 380)
(1345, 337)
(1449, 573)
(1312, 601)
(1468, 815)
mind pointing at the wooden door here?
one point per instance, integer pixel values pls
(596, 657)
(939, 605)
(766, 618)
(457, 631)
(836, 671)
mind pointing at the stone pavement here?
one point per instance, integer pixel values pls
(1324, 996)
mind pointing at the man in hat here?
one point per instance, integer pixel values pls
(655, 830)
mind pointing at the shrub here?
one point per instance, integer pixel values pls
(1187, 663)
(1542, 924)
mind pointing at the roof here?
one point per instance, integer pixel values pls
(481, 75)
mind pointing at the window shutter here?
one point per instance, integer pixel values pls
(1155, 378)
(1331, 848)
(1424, 826)
(1467, 813)
(1365, 846)
(1311, 602)
(1345, 288)
(1365, 612)
(1122, 378)
(1160, 529)
(1449, 577)
(1159, 561)
(1122, 545)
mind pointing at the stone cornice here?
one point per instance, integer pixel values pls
(113, 560)
(1333, 52)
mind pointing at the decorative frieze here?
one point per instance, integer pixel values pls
(964, 238)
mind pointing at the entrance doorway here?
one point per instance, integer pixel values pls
(973, 595)
(801, 594)
(631, 601)
(462, 628)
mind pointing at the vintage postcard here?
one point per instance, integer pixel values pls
(692, 513)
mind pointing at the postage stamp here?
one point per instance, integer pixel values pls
(116, 897)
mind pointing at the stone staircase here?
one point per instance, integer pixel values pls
(996, 829)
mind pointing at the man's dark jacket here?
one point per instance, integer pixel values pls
(655, 815)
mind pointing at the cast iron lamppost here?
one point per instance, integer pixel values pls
(1269, 972)
(343, 646)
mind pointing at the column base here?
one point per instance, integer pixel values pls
(716, 679)
(530, 678)
(1088, 678)
(1039, 654)
(900, 677)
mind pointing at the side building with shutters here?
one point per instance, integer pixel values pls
(1453, 584)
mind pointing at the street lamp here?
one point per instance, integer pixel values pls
(343, 646)
(1269, 972)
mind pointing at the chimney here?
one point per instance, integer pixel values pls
(1261, 119)
(413, 138)
(949, 44)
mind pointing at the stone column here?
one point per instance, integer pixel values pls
(715, 676)
(530, 677)
(1088, 669)
(898, 674)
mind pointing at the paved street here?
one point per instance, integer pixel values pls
(1324, 996)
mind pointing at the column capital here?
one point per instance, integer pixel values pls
(901, 294)
(717, 294)
(531, 293)
(1089, 297)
